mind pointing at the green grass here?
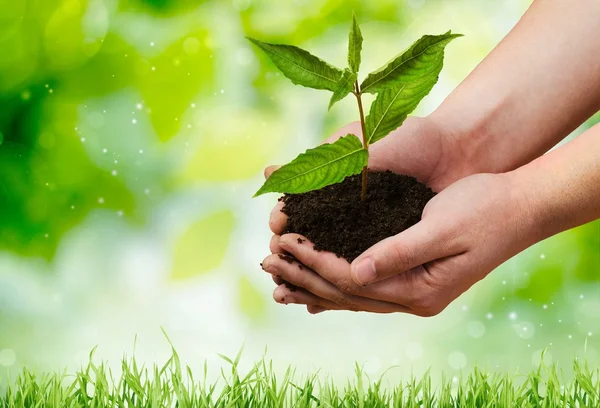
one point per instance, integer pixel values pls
(173, 385)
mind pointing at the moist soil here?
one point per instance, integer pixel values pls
(335, 219)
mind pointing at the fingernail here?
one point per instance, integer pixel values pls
(364, 271)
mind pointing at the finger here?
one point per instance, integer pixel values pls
(277, 279)
(301, 276)
(274, 245)
(328, 265)
(277, 220)
(285, 295)
(269, 170)
(406, 289)
(413, 289)
(421, 243)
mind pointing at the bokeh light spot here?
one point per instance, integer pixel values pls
(191, 45)
(457, 360)
(8, 357)
(475, 329)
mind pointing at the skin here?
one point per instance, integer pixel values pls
(481, 151)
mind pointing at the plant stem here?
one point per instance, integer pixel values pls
(357, 93)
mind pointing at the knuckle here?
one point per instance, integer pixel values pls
(346, 287)
(344, 301)
(274, 244)
(402, 257)
(451, 239)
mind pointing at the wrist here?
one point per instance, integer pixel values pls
(534, 193)
(457, 159)
(477, 134)
(525, 207)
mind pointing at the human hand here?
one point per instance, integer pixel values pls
(466, 231)
(419, 148)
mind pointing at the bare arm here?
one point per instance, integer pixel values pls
(562, 188)
(531, 91)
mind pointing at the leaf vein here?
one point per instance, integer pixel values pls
(402, 64)
(304, 69)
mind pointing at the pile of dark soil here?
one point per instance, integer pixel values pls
(335, 219)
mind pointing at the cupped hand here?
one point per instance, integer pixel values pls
(466, 231)
(420, 148)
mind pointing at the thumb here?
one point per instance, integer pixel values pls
(269, 170)
(421, 243)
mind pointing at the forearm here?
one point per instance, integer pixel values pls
(537, 86)
(560, 190)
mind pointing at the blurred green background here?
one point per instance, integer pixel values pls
(133, 134)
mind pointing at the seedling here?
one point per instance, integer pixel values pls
(400, 86)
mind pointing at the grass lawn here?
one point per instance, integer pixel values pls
(172, 385)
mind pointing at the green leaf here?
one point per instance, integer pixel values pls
(319, 167)
(301, 67)
(422, 61)
(161, 75)
(201, 248)
(250, 300)
(354, 46)
(345, 86)
(392, 106)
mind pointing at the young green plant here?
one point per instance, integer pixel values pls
(399, 86)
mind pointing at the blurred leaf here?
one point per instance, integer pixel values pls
(587, 241)
(171, 81)
(160, 8)
(47, 182)
(345, 86)
(544, 283)
(19, 57)
(202, 246)
(313, 19)
(326, 164)
(111, 69)
(251, 302)
(421, 63)
(301, 67)
(227, 137)
(75, 33)
(354, 46)
(552, 271)
(11, 17)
